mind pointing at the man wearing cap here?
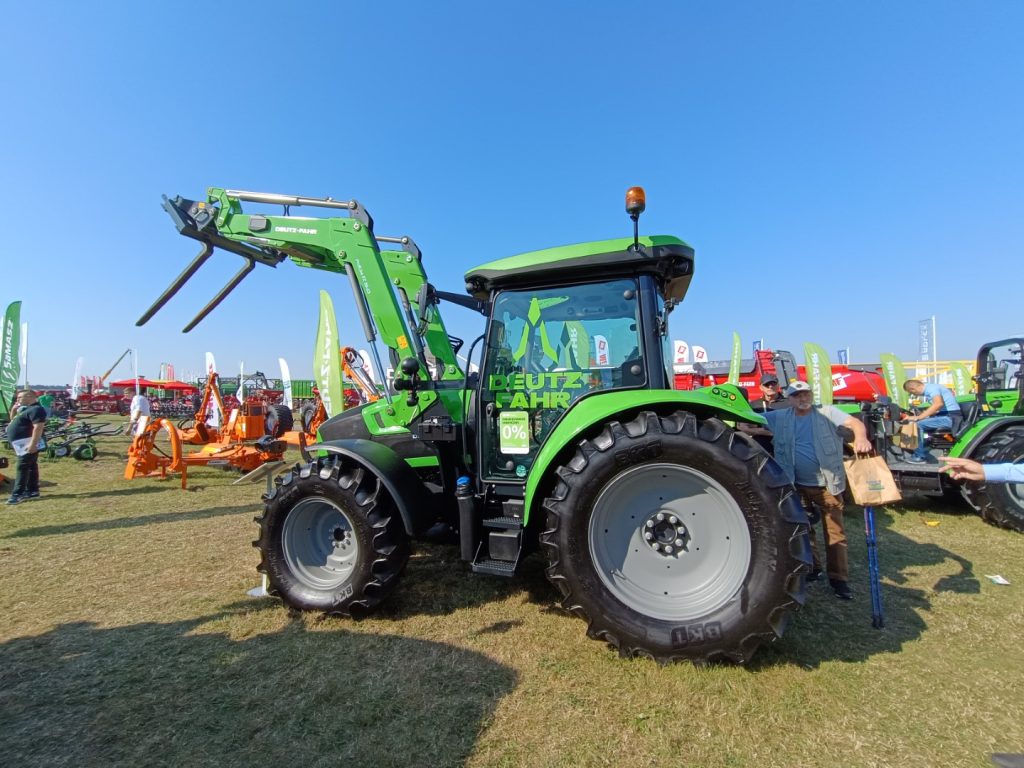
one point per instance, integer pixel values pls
(771, 395)
(810, 451)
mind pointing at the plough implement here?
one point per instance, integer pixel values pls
(673, 536)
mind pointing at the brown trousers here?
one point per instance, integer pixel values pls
(831, 509)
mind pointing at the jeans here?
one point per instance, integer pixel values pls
(932, 422)
(831, 508)
(26, 480)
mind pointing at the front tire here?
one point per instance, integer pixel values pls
(331, 539)
(677, 539)
(1000, 504)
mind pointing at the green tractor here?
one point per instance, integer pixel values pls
(991, 431)
(670, 534)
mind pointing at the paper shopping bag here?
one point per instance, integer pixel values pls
(908, 436)
(871, 481)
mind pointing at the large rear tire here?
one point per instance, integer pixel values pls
(677, 539)
(331, 539)
(1000, 504)
(279, 420)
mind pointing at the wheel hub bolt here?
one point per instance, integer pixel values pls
(665, 533)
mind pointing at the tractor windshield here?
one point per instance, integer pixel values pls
(546, 348)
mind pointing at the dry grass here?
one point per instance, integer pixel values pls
(127, 639)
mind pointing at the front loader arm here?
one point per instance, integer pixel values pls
(337, 244)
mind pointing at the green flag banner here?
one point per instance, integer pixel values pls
(894, 375)
(819, 373)
(10, 345)
(963, 384)
(734, 360)
(327, 358)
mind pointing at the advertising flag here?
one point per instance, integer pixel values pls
(213, 414)
(23, 351)
(241, 381)
(327, 358)
(10, 344)
(368, 367)
(601, 357)
(963, 384)
(681, 352)
(135, 371)
(75, 388)
(758, 345)
(734, 360)
(700, 355)
(926, 339)
(819, 373)
(286, 382)
(894, 375)
(843, 355)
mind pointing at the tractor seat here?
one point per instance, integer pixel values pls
(968, 415)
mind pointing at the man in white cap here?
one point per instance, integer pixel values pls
(810, 451)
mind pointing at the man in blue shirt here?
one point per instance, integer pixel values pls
(967, 469)
(943, 411)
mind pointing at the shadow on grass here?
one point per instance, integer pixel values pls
(176, 694)
(136, 491)
(828, 629)
(129, 522)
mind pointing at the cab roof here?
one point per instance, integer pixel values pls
(667, 258)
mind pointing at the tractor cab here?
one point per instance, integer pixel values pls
(1000, 376)
(567, 323)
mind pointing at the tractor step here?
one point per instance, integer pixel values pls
(501, 547)
(502, 522)
(495, 567)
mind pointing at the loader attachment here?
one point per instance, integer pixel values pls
(196, 220)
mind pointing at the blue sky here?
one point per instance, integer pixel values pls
(842, 169)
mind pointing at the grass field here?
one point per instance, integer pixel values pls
(127, 638)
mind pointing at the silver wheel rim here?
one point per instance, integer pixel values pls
(319, 543)
(685, 582)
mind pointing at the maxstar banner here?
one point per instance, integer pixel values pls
(10, 344)
(286, 383)
(700, 355)
(734, 360)
(819, 373)
(327, 358)
(962, 382)
(892, 371)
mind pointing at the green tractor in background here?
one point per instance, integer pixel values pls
(670, 534)
(992, 431)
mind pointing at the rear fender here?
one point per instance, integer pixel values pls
(397, 477)
(971, 440)
(587, 414)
